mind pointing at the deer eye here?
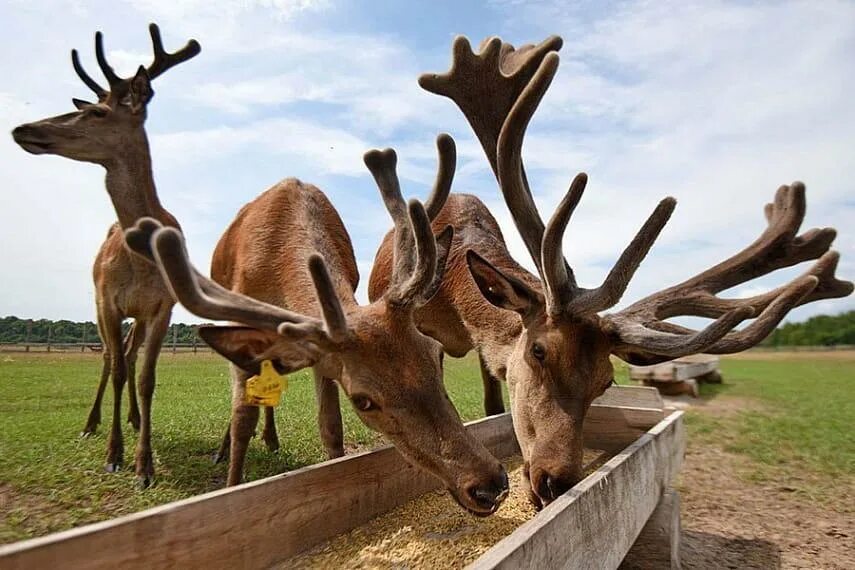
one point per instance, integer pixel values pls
(538, 351)
(364, 404)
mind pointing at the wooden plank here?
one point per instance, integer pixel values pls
(615, 427)
(634, 396)
(594, 524)
(658, 545)
(253, 525)
(673, 371)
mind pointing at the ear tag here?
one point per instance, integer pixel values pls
(265, 389)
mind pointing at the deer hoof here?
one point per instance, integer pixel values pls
(113, 467)
(143, 482)
(135, 422)
(87, 432)
(218, 457)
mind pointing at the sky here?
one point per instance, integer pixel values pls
(714, 103)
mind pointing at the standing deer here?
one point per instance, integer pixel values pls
(111, 133)
(546, 337)
(290, 240)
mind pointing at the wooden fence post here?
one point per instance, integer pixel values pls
(49, 330)
(174, 338)
(29, 334)
(83, 340)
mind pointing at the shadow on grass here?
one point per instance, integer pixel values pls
(707, 550)
(185, 463)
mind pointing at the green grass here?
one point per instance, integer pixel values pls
(795, 423)
(795, 430)
(50, 479)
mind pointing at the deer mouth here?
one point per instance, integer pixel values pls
(30, 141)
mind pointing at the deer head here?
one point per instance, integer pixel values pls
(99, 132)
(391, 372)
(561, 360)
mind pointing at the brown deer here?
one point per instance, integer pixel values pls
(444, 318)
(546, 337)
(111, 133)
(290, 240)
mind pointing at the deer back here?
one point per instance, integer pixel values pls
(264, 252)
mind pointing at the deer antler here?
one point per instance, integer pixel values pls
(205, 298)
(163, 61)
(418, 258)
(490, 88)
(777, 247)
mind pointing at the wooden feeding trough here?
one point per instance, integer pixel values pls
(624, 512)
(679, 376)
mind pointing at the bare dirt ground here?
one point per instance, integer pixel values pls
(729, 522)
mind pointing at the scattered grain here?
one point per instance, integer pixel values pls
(429, 532)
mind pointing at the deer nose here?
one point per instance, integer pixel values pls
(488, 495)
(549, 487)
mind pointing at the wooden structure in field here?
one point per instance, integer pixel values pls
(262, 523)
(679, 376)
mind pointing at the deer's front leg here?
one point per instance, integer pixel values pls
(144, 462)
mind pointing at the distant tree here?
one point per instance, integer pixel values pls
(14, 330)
(821, 330)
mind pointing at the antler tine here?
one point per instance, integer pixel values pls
(202, 296)
(382, 164)
(113, 79)
(486, 85)
(512, 179)
(163, 60)
(336, 322)
(443, 249)
(81, 73)
(446, 166)
(777, 247)
(609, 293)
(557, 275)
(425, 251)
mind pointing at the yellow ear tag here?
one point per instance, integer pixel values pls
(266, 388)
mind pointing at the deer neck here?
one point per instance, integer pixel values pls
(130, 184)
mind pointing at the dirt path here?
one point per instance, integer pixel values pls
(729, 522)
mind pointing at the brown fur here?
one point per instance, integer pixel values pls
(383, 359)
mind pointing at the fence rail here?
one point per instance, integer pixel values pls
(94, 347)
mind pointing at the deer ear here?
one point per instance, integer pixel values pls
(246, 347)
(502, 290)
(80, 104)
(140, 91)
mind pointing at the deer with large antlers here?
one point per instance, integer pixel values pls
(290, 241)
(111, 133)
(546, 337)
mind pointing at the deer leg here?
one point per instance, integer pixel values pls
(112, 330)
(144, 463)
(95, 413)
(268, 434)
(243, 424)
(223, 453)
(329, 415)
(493, 403)
(133, 340)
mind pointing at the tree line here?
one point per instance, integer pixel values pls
(19, 331)
(821, 330)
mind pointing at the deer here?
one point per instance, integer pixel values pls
(545, 335)
(290, 242)
(454, 320)
(111, 133)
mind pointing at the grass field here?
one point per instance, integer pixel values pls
(793, 418)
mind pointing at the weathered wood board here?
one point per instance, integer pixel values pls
(260, 523)
(595, 524)
(676, 370)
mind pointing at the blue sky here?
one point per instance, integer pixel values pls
(715, 103)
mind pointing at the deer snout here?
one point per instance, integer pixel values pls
(549, 484)
(483, 497)
(31, 138)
